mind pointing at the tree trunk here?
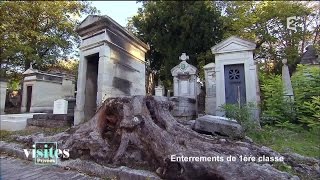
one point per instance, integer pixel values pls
(139, 132)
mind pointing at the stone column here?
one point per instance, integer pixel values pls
(220, 99)
(81, 86)
(3, 93)
(175, 86)
(106, 73)
(210, 80)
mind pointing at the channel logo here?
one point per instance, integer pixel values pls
(46, 153)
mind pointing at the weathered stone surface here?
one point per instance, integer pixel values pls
(51, 120)
(184, 108)
(219, 125)
(68, 117)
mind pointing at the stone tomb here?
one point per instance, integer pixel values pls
(235, 73)
(112, 64)
(185, 90)
(41, 89)
(184, 78)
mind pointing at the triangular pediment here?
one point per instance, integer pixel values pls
(30, 71)
(233, 44)
(91, 19)
(184, 68)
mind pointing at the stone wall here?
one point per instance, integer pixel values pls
(184, 108)
(51, 120)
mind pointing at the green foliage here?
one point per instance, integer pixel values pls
(313, 108)
(243, 114)
(38, 31)
(306, 87)
(265, 23)
(276, 108)
(174, 27)
(284, 140)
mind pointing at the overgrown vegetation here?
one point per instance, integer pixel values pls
(243, 114)
(8, 135)
(304, 142)
(288, 125)
(277, 109)
(306, 86)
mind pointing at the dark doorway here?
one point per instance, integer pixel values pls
(235, 86)
(90, 105)
(29, 96)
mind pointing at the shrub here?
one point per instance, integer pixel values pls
(243, 114)
(276, 108)
(312, 108)
(306, 87)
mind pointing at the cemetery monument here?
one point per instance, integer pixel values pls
(235, 74)
(41, 89)
(112, 64)
(185, 89)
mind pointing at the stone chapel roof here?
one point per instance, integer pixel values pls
(310, 56)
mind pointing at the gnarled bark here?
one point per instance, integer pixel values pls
(139, 132)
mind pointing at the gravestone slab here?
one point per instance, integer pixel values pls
(219, 125)
(159, 91)
(60, 106)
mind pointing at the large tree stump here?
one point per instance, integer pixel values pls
(139, 132)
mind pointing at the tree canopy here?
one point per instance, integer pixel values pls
(174, 27)
(39, 32)
(266, 23)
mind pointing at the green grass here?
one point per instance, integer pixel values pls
(7, 135)
(306, 143)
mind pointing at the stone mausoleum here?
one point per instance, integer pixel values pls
(41, 89)
(233, 78)
(112, 64)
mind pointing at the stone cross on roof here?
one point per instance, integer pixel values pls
(183, 57)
